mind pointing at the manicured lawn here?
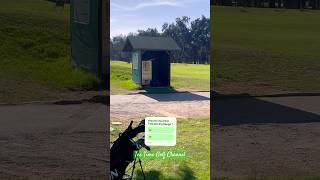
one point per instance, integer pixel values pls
(183, 77)
(275, 178)
(193, 136)
(190, 76)
(121, 77)
(259, 51)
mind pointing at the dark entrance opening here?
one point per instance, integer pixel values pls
(160, 67)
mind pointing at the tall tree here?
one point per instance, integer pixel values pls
(193, 37)
(149, 32)
(200, 35)
(180, 32)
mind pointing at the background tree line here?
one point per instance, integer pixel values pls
(193, 37)
(289, 4)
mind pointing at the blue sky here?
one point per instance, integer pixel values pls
(131, 15)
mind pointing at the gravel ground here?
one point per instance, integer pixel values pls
(266, 137)
(53, 141)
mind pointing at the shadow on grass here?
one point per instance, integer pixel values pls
(101, 99)
(184, 172)
(159, 90)
(244, 95)
(164, 94)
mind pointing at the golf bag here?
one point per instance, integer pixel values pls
(121, 153)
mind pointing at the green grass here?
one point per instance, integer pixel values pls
(183, 76)
(190, 76)
(258, 49)
(196, 143)
(35, 47)
(274, 178)
(121, 77)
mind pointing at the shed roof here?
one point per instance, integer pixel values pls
(150, 43)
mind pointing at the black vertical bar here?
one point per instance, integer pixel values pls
(100, 39)
(108, 44)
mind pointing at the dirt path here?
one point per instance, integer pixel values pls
(53, 141)
(266, 137)
(180, 105)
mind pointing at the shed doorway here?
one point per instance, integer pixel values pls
(159, 61)
(146, 73)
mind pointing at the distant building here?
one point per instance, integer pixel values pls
(151, 60)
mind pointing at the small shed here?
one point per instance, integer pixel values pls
(151, 59)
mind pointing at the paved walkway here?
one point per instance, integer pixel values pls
(181, 105)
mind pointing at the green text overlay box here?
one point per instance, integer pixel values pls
(160, 131)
